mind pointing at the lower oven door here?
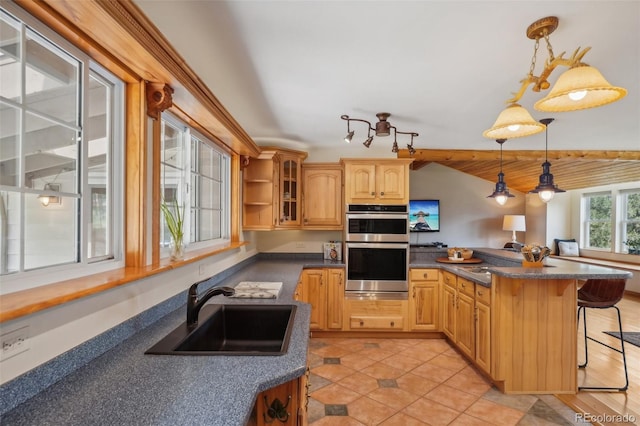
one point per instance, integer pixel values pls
(377, 268)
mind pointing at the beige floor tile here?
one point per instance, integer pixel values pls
(431, 412)
(357, 361)
(401, 419)
(468, 380)
(359, 382)
(518, 402)
(452, 398)
(416, 384)
(333, 372)
(337, 421)
(434, 372)
(376, 353)
(435, 345)
(450, 362)
(492, 412)
(335, 394)
(331, 351)
(402, 362)
(369, 412)
(420, 353)
(382, 371)
(466, 420)
(395, 398)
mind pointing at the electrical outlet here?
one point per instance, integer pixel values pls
(300, 244)
(14, 342)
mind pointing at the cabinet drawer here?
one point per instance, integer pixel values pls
(449, 279)
(424, 275)
(357, 322)
(483, 295)
(466, 287)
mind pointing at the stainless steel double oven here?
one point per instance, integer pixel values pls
(377, 251)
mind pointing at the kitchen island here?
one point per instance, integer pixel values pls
(124, 386)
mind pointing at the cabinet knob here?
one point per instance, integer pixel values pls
(381, 192)
(361, 323)
(373, 193)
(393, 324)
(479, 293)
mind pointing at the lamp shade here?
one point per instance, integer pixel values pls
(513, 222)
(579, 88)
(513, 122)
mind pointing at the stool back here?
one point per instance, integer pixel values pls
(601, 293)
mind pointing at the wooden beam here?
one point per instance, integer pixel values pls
(441, 155)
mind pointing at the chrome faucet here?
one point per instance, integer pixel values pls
(194, 303)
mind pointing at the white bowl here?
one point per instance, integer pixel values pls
(456, 259)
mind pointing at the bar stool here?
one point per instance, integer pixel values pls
(602, 294)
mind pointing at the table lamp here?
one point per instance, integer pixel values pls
(513, 223)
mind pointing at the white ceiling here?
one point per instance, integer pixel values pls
(287, 70)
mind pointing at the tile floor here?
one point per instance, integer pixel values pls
(357, 381)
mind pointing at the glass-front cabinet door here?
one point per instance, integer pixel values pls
(290, 185)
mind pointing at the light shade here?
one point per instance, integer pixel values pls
(579, 88)
(513, 222)
(513, 122)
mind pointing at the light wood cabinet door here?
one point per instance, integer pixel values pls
(465, 324)
(376, 181)
(260, 192)
(392, 182)
(335, 298)
(424, 300)
(314, 292)
(483, 336)
(322, 197)
(449, 311)
(280, 405)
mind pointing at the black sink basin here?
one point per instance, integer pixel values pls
(232, 330)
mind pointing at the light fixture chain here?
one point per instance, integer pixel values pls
(533, 58)
(549, 47)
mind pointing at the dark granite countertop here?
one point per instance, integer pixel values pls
(124, 386)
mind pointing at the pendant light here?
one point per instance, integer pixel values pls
(546, 189)
(501, 193)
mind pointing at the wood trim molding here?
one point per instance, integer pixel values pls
(159, 98)
(430, 155)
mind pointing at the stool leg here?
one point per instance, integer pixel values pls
(624, 356)
(586, 353)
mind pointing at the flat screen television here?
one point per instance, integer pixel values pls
(424, 215)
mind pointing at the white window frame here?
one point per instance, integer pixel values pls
(624, 221)
(184, 197)
(22, 280)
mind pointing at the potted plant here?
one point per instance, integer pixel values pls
(633, 243)
(174, 219)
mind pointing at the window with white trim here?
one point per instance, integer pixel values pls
(598, 221)
(61, 136)
(630, 223)
(195, 174)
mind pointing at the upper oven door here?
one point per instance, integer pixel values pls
(377, 227)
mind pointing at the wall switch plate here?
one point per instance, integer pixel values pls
(14, 342)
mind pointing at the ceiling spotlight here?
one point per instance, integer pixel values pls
(580, 87)
(382, 128)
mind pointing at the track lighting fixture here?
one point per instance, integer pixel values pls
(382, 128)
(580, 87)
(501, 193)
(546, 189)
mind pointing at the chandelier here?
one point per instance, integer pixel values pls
(382, 128)
(580, 87)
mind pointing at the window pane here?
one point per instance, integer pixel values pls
(49, 149)
(10, 74)
(172, 146)
(209, 225)
(51, 80)
(10, 237)
(49, 232)
(599, 222)
(9, 144)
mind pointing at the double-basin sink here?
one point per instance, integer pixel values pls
(232, 329)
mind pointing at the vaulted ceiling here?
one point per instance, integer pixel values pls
(287, 71)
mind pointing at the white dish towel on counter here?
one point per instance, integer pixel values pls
(257, 290)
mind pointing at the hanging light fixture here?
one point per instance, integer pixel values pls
(546, 189)
(501, 193)
(580, 87)
(382, 128)
(46, 199)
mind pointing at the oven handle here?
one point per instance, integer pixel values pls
(377, 216)
(379, 245)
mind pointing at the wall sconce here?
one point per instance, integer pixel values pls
(546, 189)
(47, 199)
(580, 87)
(513, 223)
(501, 193)
(382, 128)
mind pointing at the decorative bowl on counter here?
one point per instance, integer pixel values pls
(465, 253)
(535, 253)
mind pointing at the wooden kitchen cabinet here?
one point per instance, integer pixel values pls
(322, 196)
(483, 328)
(376, 181)
(424, 300)
(458, 309)
(272, 189)
(323, 289)
(285, 404)
(376, 315)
